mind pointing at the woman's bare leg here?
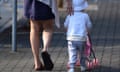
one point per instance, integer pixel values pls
(47, 33)
(35, 41)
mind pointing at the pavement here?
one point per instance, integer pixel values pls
(105, 42)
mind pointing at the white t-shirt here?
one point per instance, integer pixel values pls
(77, 26)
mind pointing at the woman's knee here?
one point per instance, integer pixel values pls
(34, 26)
(48, 25)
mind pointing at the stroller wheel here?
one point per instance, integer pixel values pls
(89, 65)
(95, 62)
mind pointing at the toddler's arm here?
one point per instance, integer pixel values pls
(66, 23)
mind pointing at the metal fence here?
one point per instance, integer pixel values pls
(4, 1)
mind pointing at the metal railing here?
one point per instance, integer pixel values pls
(14, 21)
(4, 1)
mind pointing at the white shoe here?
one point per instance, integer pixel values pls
(71, 70)
(83, 69)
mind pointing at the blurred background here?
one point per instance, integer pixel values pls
(6, 13)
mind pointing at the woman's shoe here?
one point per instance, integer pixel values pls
(47, 61)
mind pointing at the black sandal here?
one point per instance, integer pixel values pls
(47, 61)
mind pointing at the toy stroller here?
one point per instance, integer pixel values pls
(91, 59)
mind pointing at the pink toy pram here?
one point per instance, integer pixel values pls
(91, 60)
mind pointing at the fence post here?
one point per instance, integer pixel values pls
(14, 21)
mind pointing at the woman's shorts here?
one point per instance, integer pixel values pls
(36, 10)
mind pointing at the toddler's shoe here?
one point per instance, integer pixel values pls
(77, 64)
(71, 70)
(83, 69)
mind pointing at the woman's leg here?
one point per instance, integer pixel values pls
(47, 33)
(35, 41)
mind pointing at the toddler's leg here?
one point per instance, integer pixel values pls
(72, 55)
(82, 56)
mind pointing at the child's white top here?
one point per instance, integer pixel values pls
(77, 26)
(53, 5)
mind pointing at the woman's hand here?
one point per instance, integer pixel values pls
(69, 7)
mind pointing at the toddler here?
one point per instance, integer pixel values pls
(77, 25)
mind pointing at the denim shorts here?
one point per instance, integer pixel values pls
(36, 10)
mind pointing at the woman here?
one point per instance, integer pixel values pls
(41, 17)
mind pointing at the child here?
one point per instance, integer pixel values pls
(77, 25)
